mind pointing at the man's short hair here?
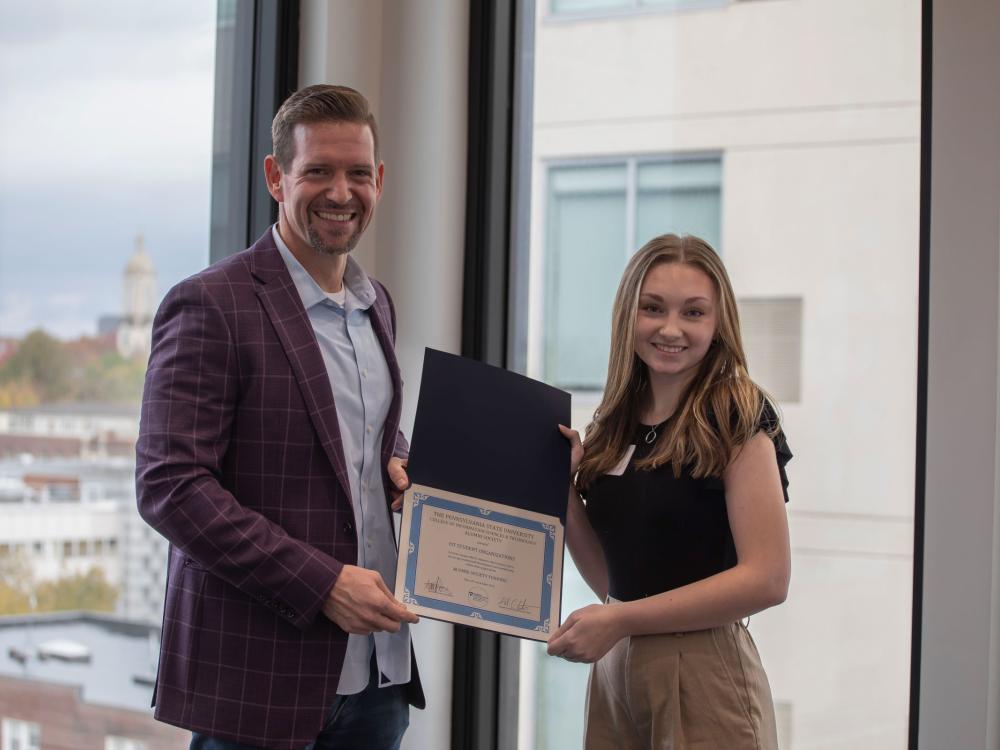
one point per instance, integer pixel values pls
(319, 103)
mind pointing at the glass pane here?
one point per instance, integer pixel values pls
(558, 688)
(679, 197)
(807, 137)
(574, 6)
(585, 255)
(106, 115)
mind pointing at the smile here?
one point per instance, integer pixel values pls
(667, 349)
(330, 216)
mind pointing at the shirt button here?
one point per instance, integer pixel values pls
(369, 428)
(364, 373)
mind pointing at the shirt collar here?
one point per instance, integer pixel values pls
(355, 279)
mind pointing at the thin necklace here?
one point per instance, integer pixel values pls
(651, 435)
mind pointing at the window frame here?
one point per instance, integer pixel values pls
(498, 200)
(262, 72)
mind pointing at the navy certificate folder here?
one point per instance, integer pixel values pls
(492, 434)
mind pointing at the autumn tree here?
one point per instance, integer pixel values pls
(89, 591)
(17, 394)
(15, 585)
(111, 377)
(42, 361)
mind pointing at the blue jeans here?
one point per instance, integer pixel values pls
(373, 719)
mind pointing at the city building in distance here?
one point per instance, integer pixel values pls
(77, 680)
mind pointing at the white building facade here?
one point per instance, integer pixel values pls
(787, 134)
(63, 516)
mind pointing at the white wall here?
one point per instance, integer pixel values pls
(410, 59)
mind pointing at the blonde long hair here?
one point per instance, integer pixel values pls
(720, 410)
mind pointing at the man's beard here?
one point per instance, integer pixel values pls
(322, 247)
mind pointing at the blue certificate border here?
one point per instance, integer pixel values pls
(422, 500)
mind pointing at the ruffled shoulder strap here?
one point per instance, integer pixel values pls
(768, 422)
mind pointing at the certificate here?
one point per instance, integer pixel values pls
(481, 537)
(474, 562)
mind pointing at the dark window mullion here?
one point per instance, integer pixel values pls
(256, 68)
(479, 684)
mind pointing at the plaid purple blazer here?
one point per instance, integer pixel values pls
(240, 466)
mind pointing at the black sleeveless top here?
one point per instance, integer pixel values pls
(658, 531)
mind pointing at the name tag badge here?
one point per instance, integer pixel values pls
(623, 464)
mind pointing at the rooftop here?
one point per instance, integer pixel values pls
(111, 660)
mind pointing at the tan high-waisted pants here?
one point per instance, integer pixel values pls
(702, 690)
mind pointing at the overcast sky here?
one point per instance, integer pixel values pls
(105, 132)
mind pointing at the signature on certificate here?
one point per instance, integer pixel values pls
(516, 604)
(478, 595)
(437, 587)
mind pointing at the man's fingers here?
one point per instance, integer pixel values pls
(383, 588)
(393, 608)
(398, 612)
(386, 624)
(397, 472)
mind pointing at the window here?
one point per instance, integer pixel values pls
(123, 743)
(560, 7)
(20, 735)
(596, 216)
(735, 94)
(137, 84)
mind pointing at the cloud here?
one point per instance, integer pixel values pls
(105, 132)
(107, 88)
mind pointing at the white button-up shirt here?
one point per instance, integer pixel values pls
(362, 389)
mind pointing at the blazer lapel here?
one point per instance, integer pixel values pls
(382, 327)
(283, 306)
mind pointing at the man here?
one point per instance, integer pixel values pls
(268, 454)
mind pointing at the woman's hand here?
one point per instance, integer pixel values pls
(587, 634)
(575, 448)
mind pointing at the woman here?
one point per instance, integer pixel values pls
(684, 531)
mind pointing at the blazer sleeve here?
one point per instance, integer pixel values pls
(189, 399)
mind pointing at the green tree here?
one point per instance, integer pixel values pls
(42, 361)
(111, 377)
(89, 591)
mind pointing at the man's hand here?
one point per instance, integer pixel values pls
(400, 481)
(360, 603)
